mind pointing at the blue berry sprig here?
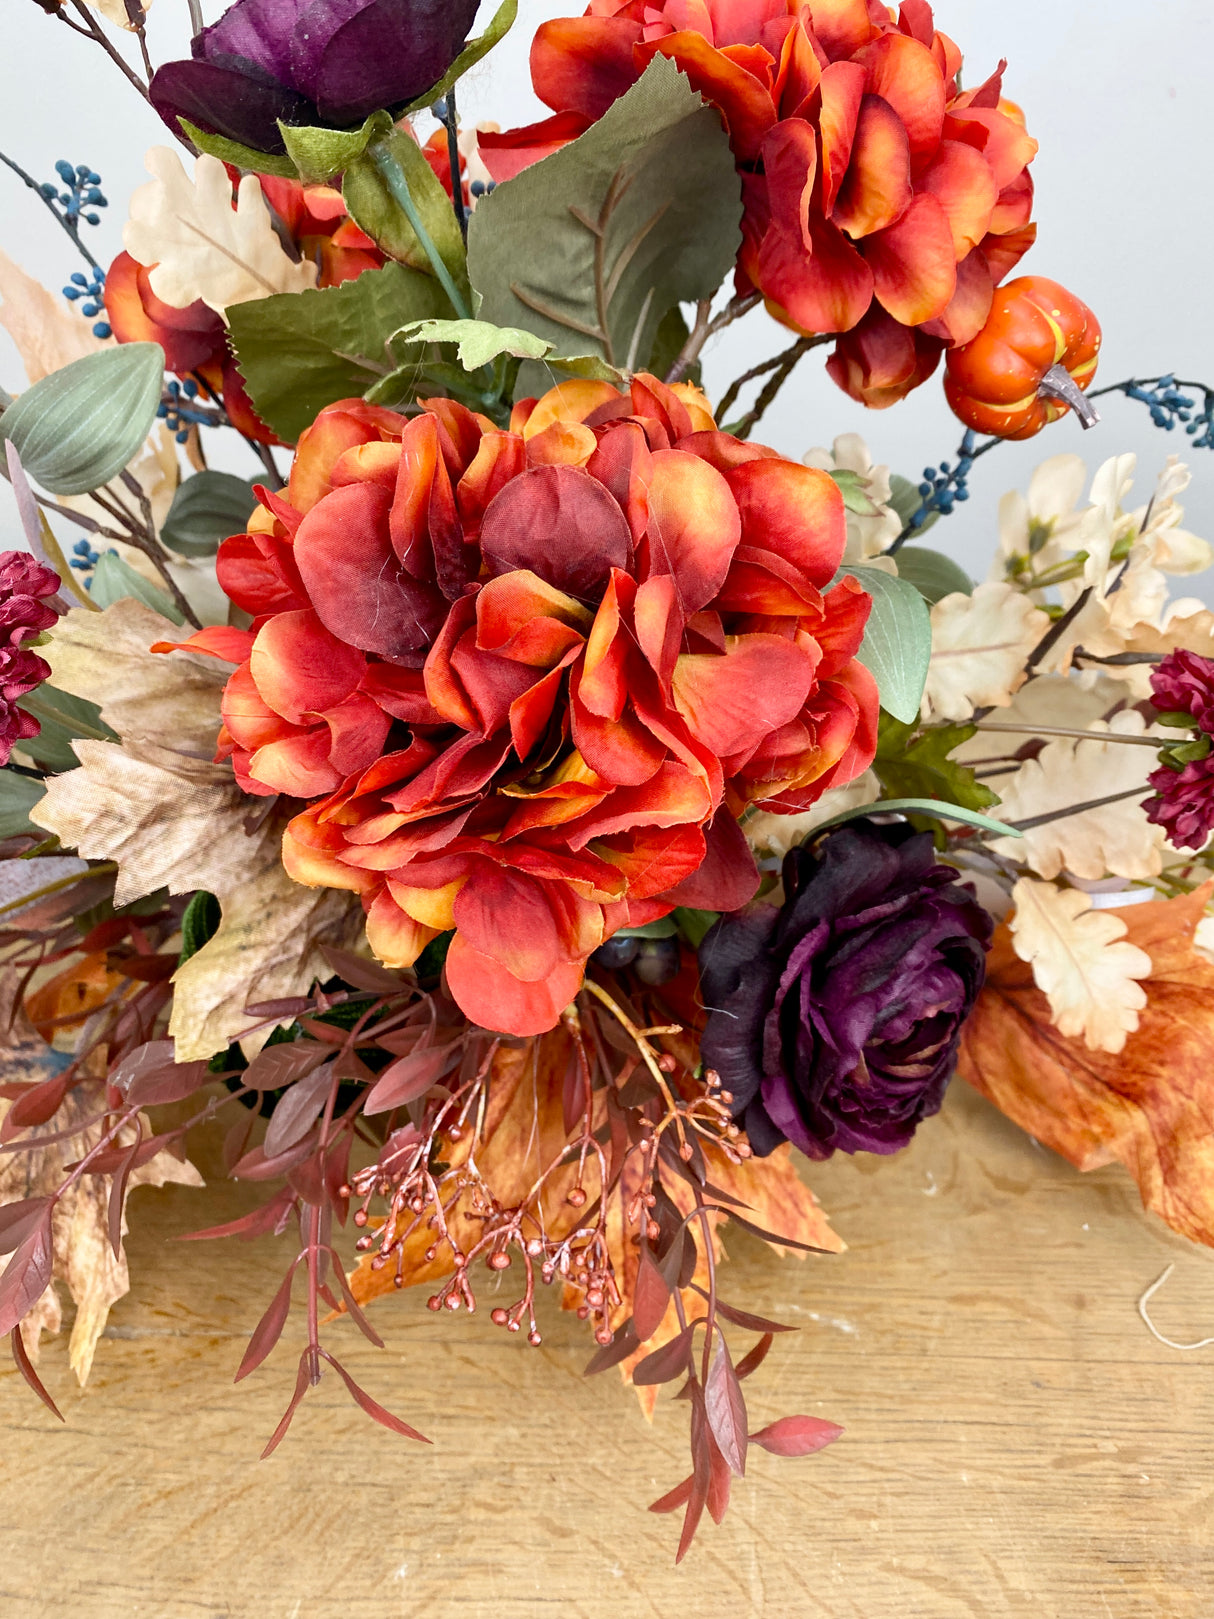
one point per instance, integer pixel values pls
(83, 558)
(179, 413)
(93, 292)
(77, 201)
(1171, 404)
(945, 485)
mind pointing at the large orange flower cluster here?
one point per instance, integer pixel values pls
(529, 678)
(881, 200)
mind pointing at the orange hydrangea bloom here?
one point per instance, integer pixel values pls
(528, 679)
(881, 200)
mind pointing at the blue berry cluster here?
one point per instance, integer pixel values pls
(175, 411)
(945, 485)
(1168, 404)
(83, 558)
(92, 291)
(81, 193)
(478, 188)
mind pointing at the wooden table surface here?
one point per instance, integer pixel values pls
(1017, 1443)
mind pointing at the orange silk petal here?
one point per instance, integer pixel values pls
(904, 73)
(732, 703)
(395, 937)
(878, 184)
(492, 997)
(961, 181)
(913, 263)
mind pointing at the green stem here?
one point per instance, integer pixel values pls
(398, 185)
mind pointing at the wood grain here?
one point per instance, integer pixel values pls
(1017, 1443)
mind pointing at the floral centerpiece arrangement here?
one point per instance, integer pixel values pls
(527, 808)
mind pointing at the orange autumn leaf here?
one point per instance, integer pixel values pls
(71, 995)
(1148, 1107)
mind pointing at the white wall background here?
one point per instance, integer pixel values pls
(1116, 91)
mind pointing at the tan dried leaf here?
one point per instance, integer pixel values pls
(118, 13)
(980, 645)
(197, 245)
(46, 332)
(1081, 962)
(1115, 840)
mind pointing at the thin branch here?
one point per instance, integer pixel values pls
(696, 339)
(730, 397)
(47, 203)
(1071, 730)
(95, 31)
(734, 310)
(457, 184)
(788, 362)
(1076, 809)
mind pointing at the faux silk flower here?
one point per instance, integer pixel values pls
(528, 679)
(881, 200)
(327, 62)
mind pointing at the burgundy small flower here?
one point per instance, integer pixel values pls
(834, 1020)
(1184, 805)
(23, 583)
(20, 672)
(1184, 684)
(327, 62)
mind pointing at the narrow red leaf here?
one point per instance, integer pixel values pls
(701, 1477)
(111, 1159)
(26, 1275)
(268, 1330)
(118, 1195)
(281, 1008)
(276, 1066)
(674, 1499)
(666, 1363)
(26, 1367)
(35, 1106)
(770, 1236)
(725, 1408)
(410, 1077)
(650, 1297)
(297, 1112)
(162, 1086)
(257, 1223)
(743, 1318)
(372, 1407)
(796, 1436)
(301, 1384)
(719, 1478)
(236, 1140)
(621, 1346)
(363, 974)
(352, 1305)
(754, 1357)
(18, 1219)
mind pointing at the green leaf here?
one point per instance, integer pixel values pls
(82, 424)
(853, 489)
(906, 500)
(199, 923)
(664, 928)
(500, 25)
(18, 795)
(319, 154)
(668, 343)
(920, 766)
(63, 718)
(694, 925)
(375, 208)
(933, 574)
(934, 808)
(114, 579)
(300, 351)
(206, 509)
(591, 247)
(478, 344)
(897, 645)
(241, 157)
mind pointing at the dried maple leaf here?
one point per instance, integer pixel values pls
(83, 1255)
(1147, 1107)
(1082, 960)
(172, 819)
(198, 246)
(980, 645)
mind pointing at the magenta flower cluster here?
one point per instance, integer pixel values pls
(25, 586)
(1184, 793)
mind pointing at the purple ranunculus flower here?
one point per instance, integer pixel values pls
(1184, 802)
(326, 62)
(834, 1019)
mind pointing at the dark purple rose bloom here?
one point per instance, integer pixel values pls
(834, 1019)
(320, 62)
(1184, 684)
(1184, 803)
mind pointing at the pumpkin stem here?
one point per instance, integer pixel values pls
(1058, 383)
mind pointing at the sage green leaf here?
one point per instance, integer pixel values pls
(920, 766)
(591, 247)
(319, 154)
(64, 719)
(897, 645)
(206, 509)
(500, 25)
(664, 928)
(374, 207)
(668, 343)
(301, 351)
(81, 425)
(694, 924)
(241, 157)
(199, 923)
(906, 500)
(933, 574)
(852, 488)
(920, 806)
(113, 579)
(478, 344)
(18, 795)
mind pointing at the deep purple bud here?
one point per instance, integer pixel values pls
(834, 1020)
(326, 62)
